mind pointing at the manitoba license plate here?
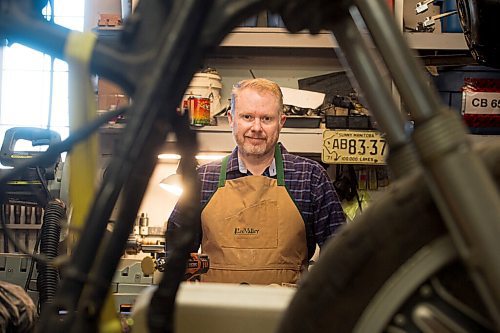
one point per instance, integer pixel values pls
(353, 147)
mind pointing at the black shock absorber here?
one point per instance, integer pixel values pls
(48, 276)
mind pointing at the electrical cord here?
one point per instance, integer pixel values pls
(354, 179)
(39, 236)
(32, 264)
(44, 184)
(48, 276)
(346, 184)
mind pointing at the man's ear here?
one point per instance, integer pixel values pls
(282, 119)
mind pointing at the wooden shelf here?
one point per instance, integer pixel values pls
(220, 139)
(262, 37)
(296, 140)
(277, 37)
(281, 38)
(436, 41)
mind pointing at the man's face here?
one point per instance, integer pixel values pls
(256, 122)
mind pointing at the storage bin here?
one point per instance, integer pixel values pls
(450, 23)
(450, 82)
(337, 122)
(359, 122)
(302, 121)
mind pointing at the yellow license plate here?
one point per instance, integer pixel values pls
(353, 147)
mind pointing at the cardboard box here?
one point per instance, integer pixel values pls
(110, 96)
(106, 87)
(109, 20)
(110, 102)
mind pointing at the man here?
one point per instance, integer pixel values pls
(264, 209)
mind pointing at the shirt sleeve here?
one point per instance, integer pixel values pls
(175, 223)
(173, 220)
(328, 213)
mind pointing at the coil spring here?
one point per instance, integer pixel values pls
(48, 276)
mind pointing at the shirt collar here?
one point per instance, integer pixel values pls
(272, 167)
(233, 163)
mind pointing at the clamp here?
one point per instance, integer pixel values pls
(431, 20)
(423, 6)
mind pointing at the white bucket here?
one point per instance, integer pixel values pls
(207, 85)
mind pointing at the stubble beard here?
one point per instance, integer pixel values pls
(255, 150)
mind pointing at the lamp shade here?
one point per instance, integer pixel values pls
(172, 184)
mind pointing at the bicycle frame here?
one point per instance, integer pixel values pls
(161, 45)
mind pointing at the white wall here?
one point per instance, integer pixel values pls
(284, 68)
(158, 203)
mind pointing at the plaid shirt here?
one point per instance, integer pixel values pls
(307, 183)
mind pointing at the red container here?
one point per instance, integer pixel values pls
(199, 110)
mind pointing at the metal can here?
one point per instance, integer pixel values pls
(199, 111)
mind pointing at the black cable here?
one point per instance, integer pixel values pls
(32, 264)
(354, 181)
(44, 185)
(85, 287)
(162, 303)
(39, 236)
(5, 238)
(48, 276)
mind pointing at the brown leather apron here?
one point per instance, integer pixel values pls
(252, 231)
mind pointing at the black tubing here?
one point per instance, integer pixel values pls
(48, 276)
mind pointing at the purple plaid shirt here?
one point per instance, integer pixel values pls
(307, 183)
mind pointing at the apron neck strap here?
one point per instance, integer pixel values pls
(278, 159)
(223, 169)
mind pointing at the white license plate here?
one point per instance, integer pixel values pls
(353, 147)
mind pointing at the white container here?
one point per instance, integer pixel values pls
(206, 85)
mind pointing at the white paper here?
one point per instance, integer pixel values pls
(302, 98)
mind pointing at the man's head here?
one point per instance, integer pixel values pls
(256, 116)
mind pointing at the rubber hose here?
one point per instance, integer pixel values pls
(48, 276)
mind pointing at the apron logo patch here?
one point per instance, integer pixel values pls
(246, 231)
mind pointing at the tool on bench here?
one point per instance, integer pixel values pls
(197, 265)
(29, 188)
